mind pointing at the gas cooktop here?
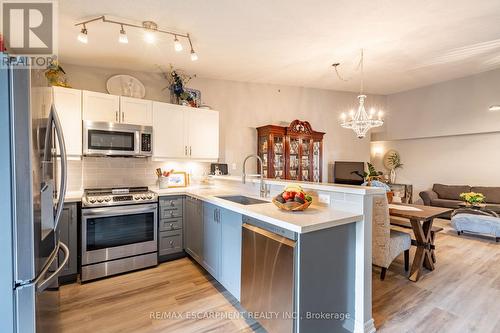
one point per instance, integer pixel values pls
(102, 197)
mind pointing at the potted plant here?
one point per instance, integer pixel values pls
(373, 178)
(473, 199)
(394, 163)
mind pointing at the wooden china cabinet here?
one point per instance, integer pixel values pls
(294, 152)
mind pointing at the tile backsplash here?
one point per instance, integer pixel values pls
(95, 172)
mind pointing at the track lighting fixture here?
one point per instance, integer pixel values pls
(150, 28)
(123, 36)
(149, 37)
(177, 44)
(83, 36)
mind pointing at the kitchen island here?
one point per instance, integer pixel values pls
(331, 283)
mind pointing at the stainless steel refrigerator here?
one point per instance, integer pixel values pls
(38, 185)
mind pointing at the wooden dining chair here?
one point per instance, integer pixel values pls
(387, 244)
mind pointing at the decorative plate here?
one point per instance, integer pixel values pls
(125, 85)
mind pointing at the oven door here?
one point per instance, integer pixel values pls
(110, 139)
(110, 233)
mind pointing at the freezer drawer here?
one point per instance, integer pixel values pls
(267, 277)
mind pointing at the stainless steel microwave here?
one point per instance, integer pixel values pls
(113, 139)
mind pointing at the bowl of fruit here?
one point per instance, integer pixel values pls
(293, 198)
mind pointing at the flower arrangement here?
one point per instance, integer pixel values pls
(55, 75)
(177, 81)
(473, 198)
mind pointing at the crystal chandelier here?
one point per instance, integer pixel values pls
(360, 121)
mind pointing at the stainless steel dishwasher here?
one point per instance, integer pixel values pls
(267, 276)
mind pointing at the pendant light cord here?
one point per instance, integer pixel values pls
(361, 64)
(359, 67)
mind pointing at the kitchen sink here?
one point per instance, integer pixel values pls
(242, 200)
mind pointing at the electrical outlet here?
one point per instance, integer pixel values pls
(324, 198)
(233, 166)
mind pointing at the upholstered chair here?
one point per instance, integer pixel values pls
(387, 244)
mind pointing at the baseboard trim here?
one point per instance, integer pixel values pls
(369, 326)
(356, 327)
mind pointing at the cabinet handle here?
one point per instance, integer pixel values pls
(172, 203)
(215, 215)
(172, 243)
(185, 150)
(171, 225)
(116, 116)
(190, 150)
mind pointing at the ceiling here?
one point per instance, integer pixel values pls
(407, 44)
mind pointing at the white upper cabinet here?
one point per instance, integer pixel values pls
(168, 131)
(185, 133)
(101, 107)
(136, 111)
(203, 134)
(68, 103)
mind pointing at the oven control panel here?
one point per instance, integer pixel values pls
(94, 200)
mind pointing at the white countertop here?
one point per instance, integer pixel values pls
(73, 196)
(316, 217)
(328, 187)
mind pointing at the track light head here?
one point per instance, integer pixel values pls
(83, 35)
(123, 36)
(177, 44)
(194, 56)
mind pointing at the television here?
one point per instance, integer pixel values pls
(345, 172)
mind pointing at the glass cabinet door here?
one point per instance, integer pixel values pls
(305, 161)
(279, 157)
(293, 162)
(263, 153)
(316, 161)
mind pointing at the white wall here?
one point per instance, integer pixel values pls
(245, 106)
(453, 107)
(458, 138)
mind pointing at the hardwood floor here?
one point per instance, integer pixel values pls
(140, 302)
(461, 295)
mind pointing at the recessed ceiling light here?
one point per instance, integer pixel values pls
(495, 108)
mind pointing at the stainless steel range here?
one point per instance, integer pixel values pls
(119, 231)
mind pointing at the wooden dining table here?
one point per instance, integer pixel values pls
(421, 219)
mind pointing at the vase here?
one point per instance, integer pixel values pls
(390, 196)
(392, 176)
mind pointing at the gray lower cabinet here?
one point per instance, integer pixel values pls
(211, 239)
(222, 246)
(68, 234)
(170, 227)
(193, 228)
(230, 251)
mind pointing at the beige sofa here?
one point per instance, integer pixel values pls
(448, 196)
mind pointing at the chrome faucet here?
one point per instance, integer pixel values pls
(263, 188)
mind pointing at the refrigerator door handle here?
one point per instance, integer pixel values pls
(64, 167)
(41, 285)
